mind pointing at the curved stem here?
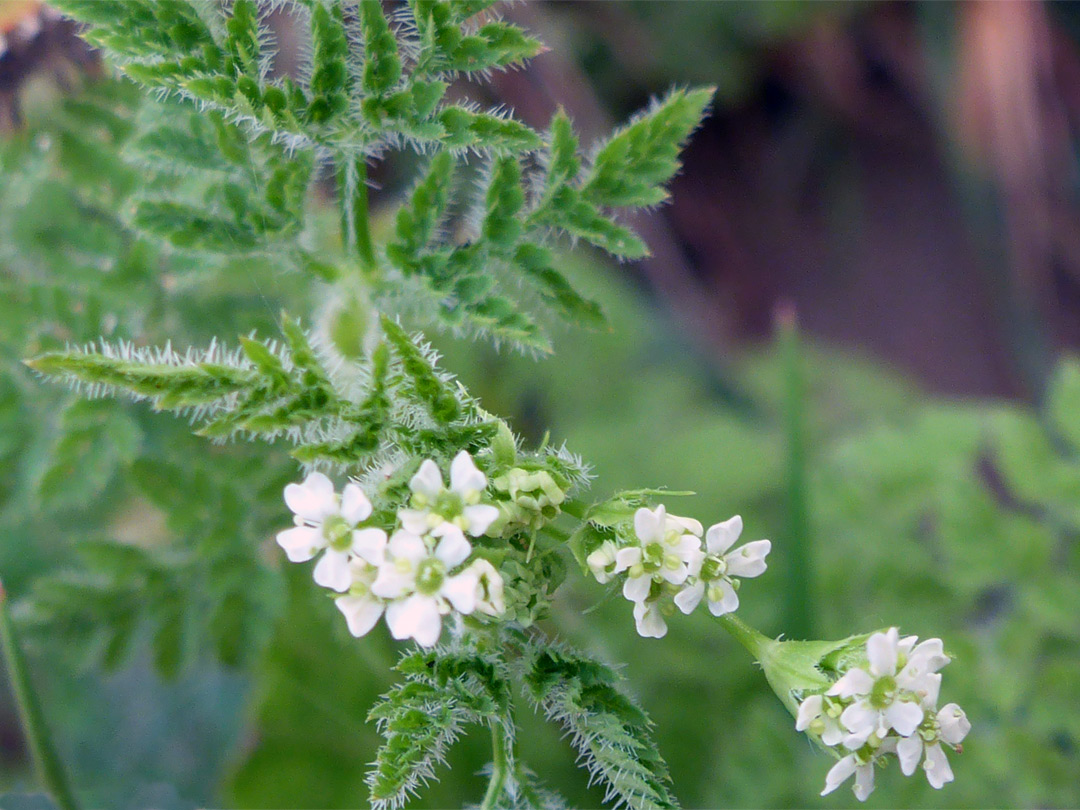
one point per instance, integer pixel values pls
(755, 642)
(46, 761)
(500, 767)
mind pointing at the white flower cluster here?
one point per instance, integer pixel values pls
(666, 566)
(888, 708)
(417, 575)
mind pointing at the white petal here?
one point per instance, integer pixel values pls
(627, 557)
(416, 617)
(428, 480)
(428, 624)
(453, 548)
(361, 613)
(938, 771)
(860, 717)
(854, 682)
(838, 774)
(414, 521)
(881, 650)
(355, 505)
(864, 781)
(649, 525)
(928, 690)
(686, 524)
(480, 517)
(461, 591)
(728, 603)
(686, 545)
(301, 543)
(809, 711)
(906, 644)
(853, 742)
(407, 546)
(636, 589)
(926, 659)
(464, 476)
(909, 752)
(676, 576)
(490, 597)
(904, 716)
(722, 536)
(392, 584)
(650, 623)
(833, 734)
(312, 500)
(332, 571)
(370, 544)
(749, 560)
(954, 723)
(694, 560)
(689, 597)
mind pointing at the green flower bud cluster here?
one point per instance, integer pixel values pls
(529, 585)
(535, 499)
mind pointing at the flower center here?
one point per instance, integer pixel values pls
(881, 696)
(448, 504)
(652, 556)
(337, 532)
(430, 575)
(714, 567)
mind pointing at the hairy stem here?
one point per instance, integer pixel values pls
(46, 761)
(756, 643)
(500, 767)
(355, 213)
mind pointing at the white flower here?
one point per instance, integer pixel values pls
(842, 771)
(602, 562)
(649, 620)
(883, 697)
(437, 510)
(419, 587)
(950, 726)
(713, 575)
(360, 606)
(821, 716)
(667, 549)
(326, 521)
(490, 599)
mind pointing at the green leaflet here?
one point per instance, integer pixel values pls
(610, 731)
(420, 376)
(632, 166)
(446, 688)
(247, 193)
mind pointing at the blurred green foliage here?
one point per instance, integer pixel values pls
(957, 519)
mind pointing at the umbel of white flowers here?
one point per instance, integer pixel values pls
(418, 574)
(888, 708)
(667, 566)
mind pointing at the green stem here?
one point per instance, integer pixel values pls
(500, 767)
(46, 761)
(357, 223)
(756, 643)
(798, 609)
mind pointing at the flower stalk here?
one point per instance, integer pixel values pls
(47, 762)
(500, 767)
